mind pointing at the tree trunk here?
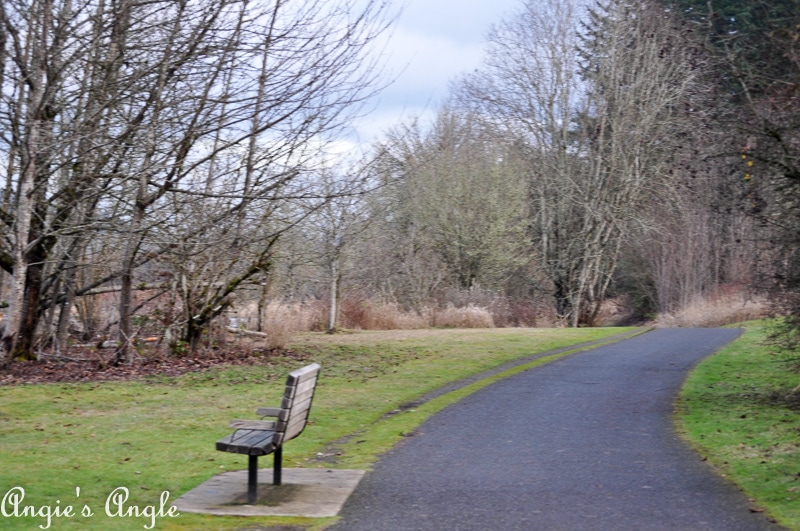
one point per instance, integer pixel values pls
(333, 311)
(20, 297)
(124, 355)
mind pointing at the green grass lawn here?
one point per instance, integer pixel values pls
(737, 410)
(69, 447)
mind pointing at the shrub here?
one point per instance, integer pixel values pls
(464, 317)
(724, 307)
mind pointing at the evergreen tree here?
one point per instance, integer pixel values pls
(758, 44)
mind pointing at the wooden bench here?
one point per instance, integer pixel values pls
(259, 437)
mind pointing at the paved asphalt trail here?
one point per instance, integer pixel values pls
(586, 442)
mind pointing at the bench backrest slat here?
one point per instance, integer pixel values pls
(304, 385)
(294, 427)
(296, 403)
(305, 395)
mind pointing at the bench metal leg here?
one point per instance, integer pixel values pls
(252, 480)
(277, 466)
(252, 474)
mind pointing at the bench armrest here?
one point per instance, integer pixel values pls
(268, 411)
(266, 425)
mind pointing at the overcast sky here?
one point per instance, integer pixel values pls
(432, 42)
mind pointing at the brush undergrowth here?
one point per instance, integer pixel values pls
(738, 409)
(70, 446)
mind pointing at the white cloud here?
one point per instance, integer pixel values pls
(421, 66)
(433, 43)
(427, 62)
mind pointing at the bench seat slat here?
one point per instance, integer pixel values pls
(250, 442)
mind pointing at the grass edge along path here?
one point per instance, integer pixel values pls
(732, 409)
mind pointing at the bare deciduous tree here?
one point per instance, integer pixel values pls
(459, 190)
(597, 131)
(114, 115)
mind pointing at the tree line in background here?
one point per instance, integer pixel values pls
(163, 168)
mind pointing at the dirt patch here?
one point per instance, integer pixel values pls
(87, 364)
(92, 365)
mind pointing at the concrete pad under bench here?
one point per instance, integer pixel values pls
(310, 492)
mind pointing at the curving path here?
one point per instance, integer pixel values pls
(586, 442)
